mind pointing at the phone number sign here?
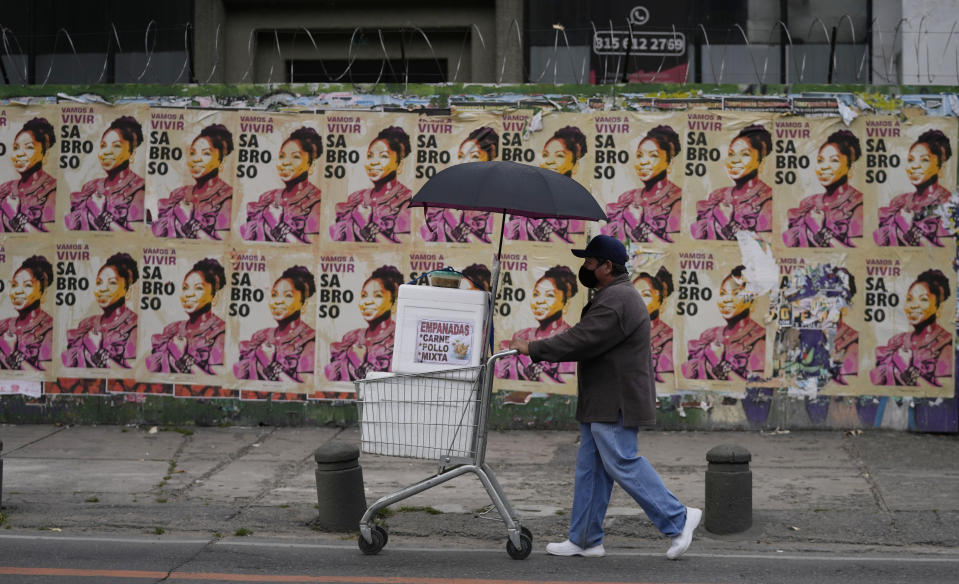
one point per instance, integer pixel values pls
(640, 44)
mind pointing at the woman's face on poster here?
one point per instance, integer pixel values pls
(547, 299)
(557, 157)
(292, 161)
(733, 298)
(380, 160)
(650, 295)
(650, 160)
(285, 299)
(921, 164)
(24, 289)
(920, 304)
(375, 300)
(741, 159)
(114, 150)
(203, 158)
(26, 153)
(470, 151)
(831, 165)
(195, 292)
(109, 288)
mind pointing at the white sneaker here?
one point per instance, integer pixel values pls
(568, 548)
(681, 542)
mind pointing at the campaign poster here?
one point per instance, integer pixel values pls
(447, 140)
(721, 338)
(555, 141)
(30, 163)
(28, 294)
(539, 296)
(655, 274)
(474, 262)
(816, 311)
(910, 173)
(98, 305)
(184, 293)
(356, 314)
(368, 173)
(906, 344)
(727, 174)
(272, 306)
(820, 176)
(103, 161)
(191, 171)
(636, 169)
(279, 163)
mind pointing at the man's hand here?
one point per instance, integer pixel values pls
(520, 345)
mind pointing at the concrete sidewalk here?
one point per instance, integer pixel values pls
(819, 490)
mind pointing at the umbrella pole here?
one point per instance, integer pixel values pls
(487, 334)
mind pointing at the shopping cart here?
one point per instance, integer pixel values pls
(442, 416)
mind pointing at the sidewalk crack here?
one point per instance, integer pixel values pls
(282, 475)
(32, 442)
(873, 485)
(217, 467)
(170, 573)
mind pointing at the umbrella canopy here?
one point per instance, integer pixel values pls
(509, 187)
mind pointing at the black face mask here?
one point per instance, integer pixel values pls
(587, 277)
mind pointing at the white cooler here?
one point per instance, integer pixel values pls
(438, 328)
(426, 417)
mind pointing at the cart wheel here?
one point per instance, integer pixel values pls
(526, 545)
(380, 537)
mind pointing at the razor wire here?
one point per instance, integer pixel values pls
(934, 53)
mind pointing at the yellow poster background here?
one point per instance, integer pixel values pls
(91, 152)
(183, 326)
(95, 337)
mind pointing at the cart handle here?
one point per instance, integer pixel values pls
(500, 355)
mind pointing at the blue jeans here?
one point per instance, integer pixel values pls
(607, 453)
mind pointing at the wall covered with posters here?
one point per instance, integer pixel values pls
(255, 254)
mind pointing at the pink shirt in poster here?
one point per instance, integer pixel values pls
(107, 204)
(454, 226)
(520, 228)
(661, 344)
(27, 341)
(721, 350)
(641, 213)
(912, 219)
(209, 215)
(522, 367)
(729, 210)
(910, 356)
(845, 353)
(184, 345)
(271, 352)
(27, 202)
(826, 220)
(284, 215)
(372, 215)
(100, 341)
(361, 351)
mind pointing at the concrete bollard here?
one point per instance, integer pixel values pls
(340, 499)
(729, 489)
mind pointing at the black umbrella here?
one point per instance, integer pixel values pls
(508, 187)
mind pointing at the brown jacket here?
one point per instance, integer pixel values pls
(611, 344)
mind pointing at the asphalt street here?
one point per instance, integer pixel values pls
(58, 559)
(239, 504)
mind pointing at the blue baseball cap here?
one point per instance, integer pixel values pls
(604, 247)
